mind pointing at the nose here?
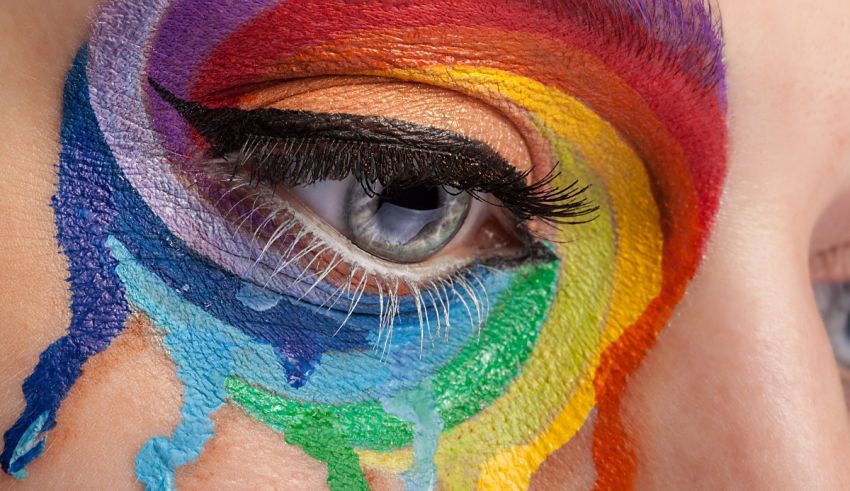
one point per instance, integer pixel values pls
(742, 390)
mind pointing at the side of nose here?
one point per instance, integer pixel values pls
(742, 390)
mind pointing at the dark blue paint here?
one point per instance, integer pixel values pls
(84, 211)
(95, 200)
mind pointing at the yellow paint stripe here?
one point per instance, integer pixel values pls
(636, 279)
(395, 462)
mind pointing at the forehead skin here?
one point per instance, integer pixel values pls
(741, 390)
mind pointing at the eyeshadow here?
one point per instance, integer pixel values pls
(629, 96)
(294, 147)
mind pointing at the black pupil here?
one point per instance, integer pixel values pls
(414, 198)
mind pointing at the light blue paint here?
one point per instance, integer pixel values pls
(203, 350)
(31, 442)
(203, 374)
(207, 350)
(257, 298)
(368, 374)
(418, 407)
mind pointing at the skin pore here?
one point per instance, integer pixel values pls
(725, 398)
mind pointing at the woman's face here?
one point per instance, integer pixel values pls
(466, 245)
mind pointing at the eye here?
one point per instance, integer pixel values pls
(833, 300)
(404, 224)
(401, 192)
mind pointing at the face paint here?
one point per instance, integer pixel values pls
(455, 391)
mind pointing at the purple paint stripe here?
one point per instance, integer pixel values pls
(189, 31)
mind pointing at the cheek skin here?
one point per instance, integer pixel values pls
(115, 421)
(227, 461)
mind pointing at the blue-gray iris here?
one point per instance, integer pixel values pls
(405, 224)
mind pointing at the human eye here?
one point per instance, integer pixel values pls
(830, 271)
(400, 192)
(833, 299)
(429, 241)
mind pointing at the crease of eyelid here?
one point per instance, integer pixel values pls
(323, 93)
(498, 122)
(831, 265)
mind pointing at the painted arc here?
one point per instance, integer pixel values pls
(655, 159)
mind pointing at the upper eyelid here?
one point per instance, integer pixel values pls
(831, 265)
(227, 128)
(375, 129)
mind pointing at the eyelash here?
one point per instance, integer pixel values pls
(292, 148)
(393, 287)
(294, 161)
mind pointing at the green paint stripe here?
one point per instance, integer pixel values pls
(478, 375)
(316, 431)
(366, 424)
(481, 372)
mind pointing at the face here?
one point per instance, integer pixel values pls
(413, 245)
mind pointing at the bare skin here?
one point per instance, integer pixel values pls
(742, 391)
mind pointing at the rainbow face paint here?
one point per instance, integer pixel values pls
(627, 98)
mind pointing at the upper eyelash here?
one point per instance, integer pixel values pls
(266, 203)
(292, 148)
(294, 161)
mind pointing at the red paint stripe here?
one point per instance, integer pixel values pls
(249, 54)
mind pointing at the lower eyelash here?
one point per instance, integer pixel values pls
(429, 299)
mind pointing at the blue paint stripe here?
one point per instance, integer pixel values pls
(84, 210)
